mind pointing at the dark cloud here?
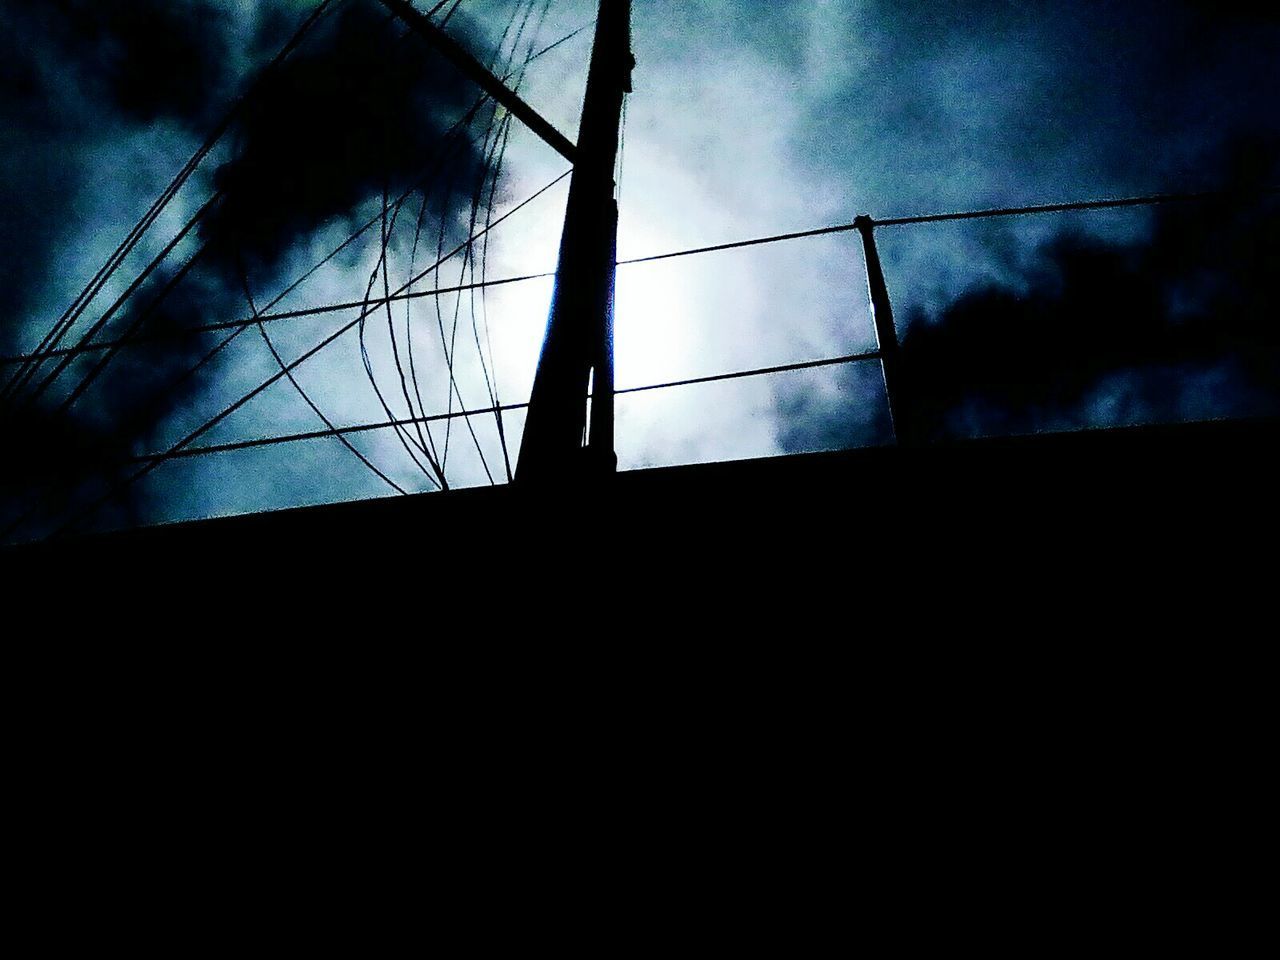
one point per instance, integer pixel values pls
(961, 106)
(994, 102)
(149, 59)
(357, 109)
(1092, 333)
(140, 60)
(883, 107)
(361, 108)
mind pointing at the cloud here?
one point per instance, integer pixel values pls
(1089, 332)
(993, 102)
(748, 119)
(753, 121)
(358, 109)
(355, 110)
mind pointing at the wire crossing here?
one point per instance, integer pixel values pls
(63, 325)
(522, 35)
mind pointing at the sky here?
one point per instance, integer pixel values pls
(747, 119)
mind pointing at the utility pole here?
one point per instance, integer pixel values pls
(579, 339)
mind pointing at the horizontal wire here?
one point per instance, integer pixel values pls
(1150, 200)
(966, 215)
(69, 317)
(756, 372)
(490, 411)
(757, 241)
(185, 442)
(373, 303)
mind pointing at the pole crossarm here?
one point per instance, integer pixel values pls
(477, 72)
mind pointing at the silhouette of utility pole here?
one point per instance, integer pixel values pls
(580, 332)
(579, 339)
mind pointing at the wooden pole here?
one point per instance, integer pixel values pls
(579, 333)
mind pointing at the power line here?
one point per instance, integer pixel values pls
(133, 332)
(757, 241)
(137, 322)
(381, 267)
(966, 215)
(565, 39)
(131, 335)
(41, 354)
(1155, 198)
(490, 411)
(374, 303)
(209, 424)
(244, 279)
(756, 372)
(399, 423)
(72, 314)
(239, 328)
(754, 242)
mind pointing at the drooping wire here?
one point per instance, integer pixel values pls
(426, 443)
(423, 444)
(244, 280)
(491, 373)
(382, 267)
(138, 338)
(494, 141)
(92, 508)
(452, 386)
(143, 315)
(410, 352)
(448, 137)
(447, 344)
(425, 438)
(497, 139)
(428, 440)
(408, 324)
(490, 370)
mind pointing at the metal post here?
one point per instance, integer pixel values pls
(579, 335)
(886, 334)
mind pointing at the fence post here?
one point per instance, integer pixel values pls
(886, 334)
